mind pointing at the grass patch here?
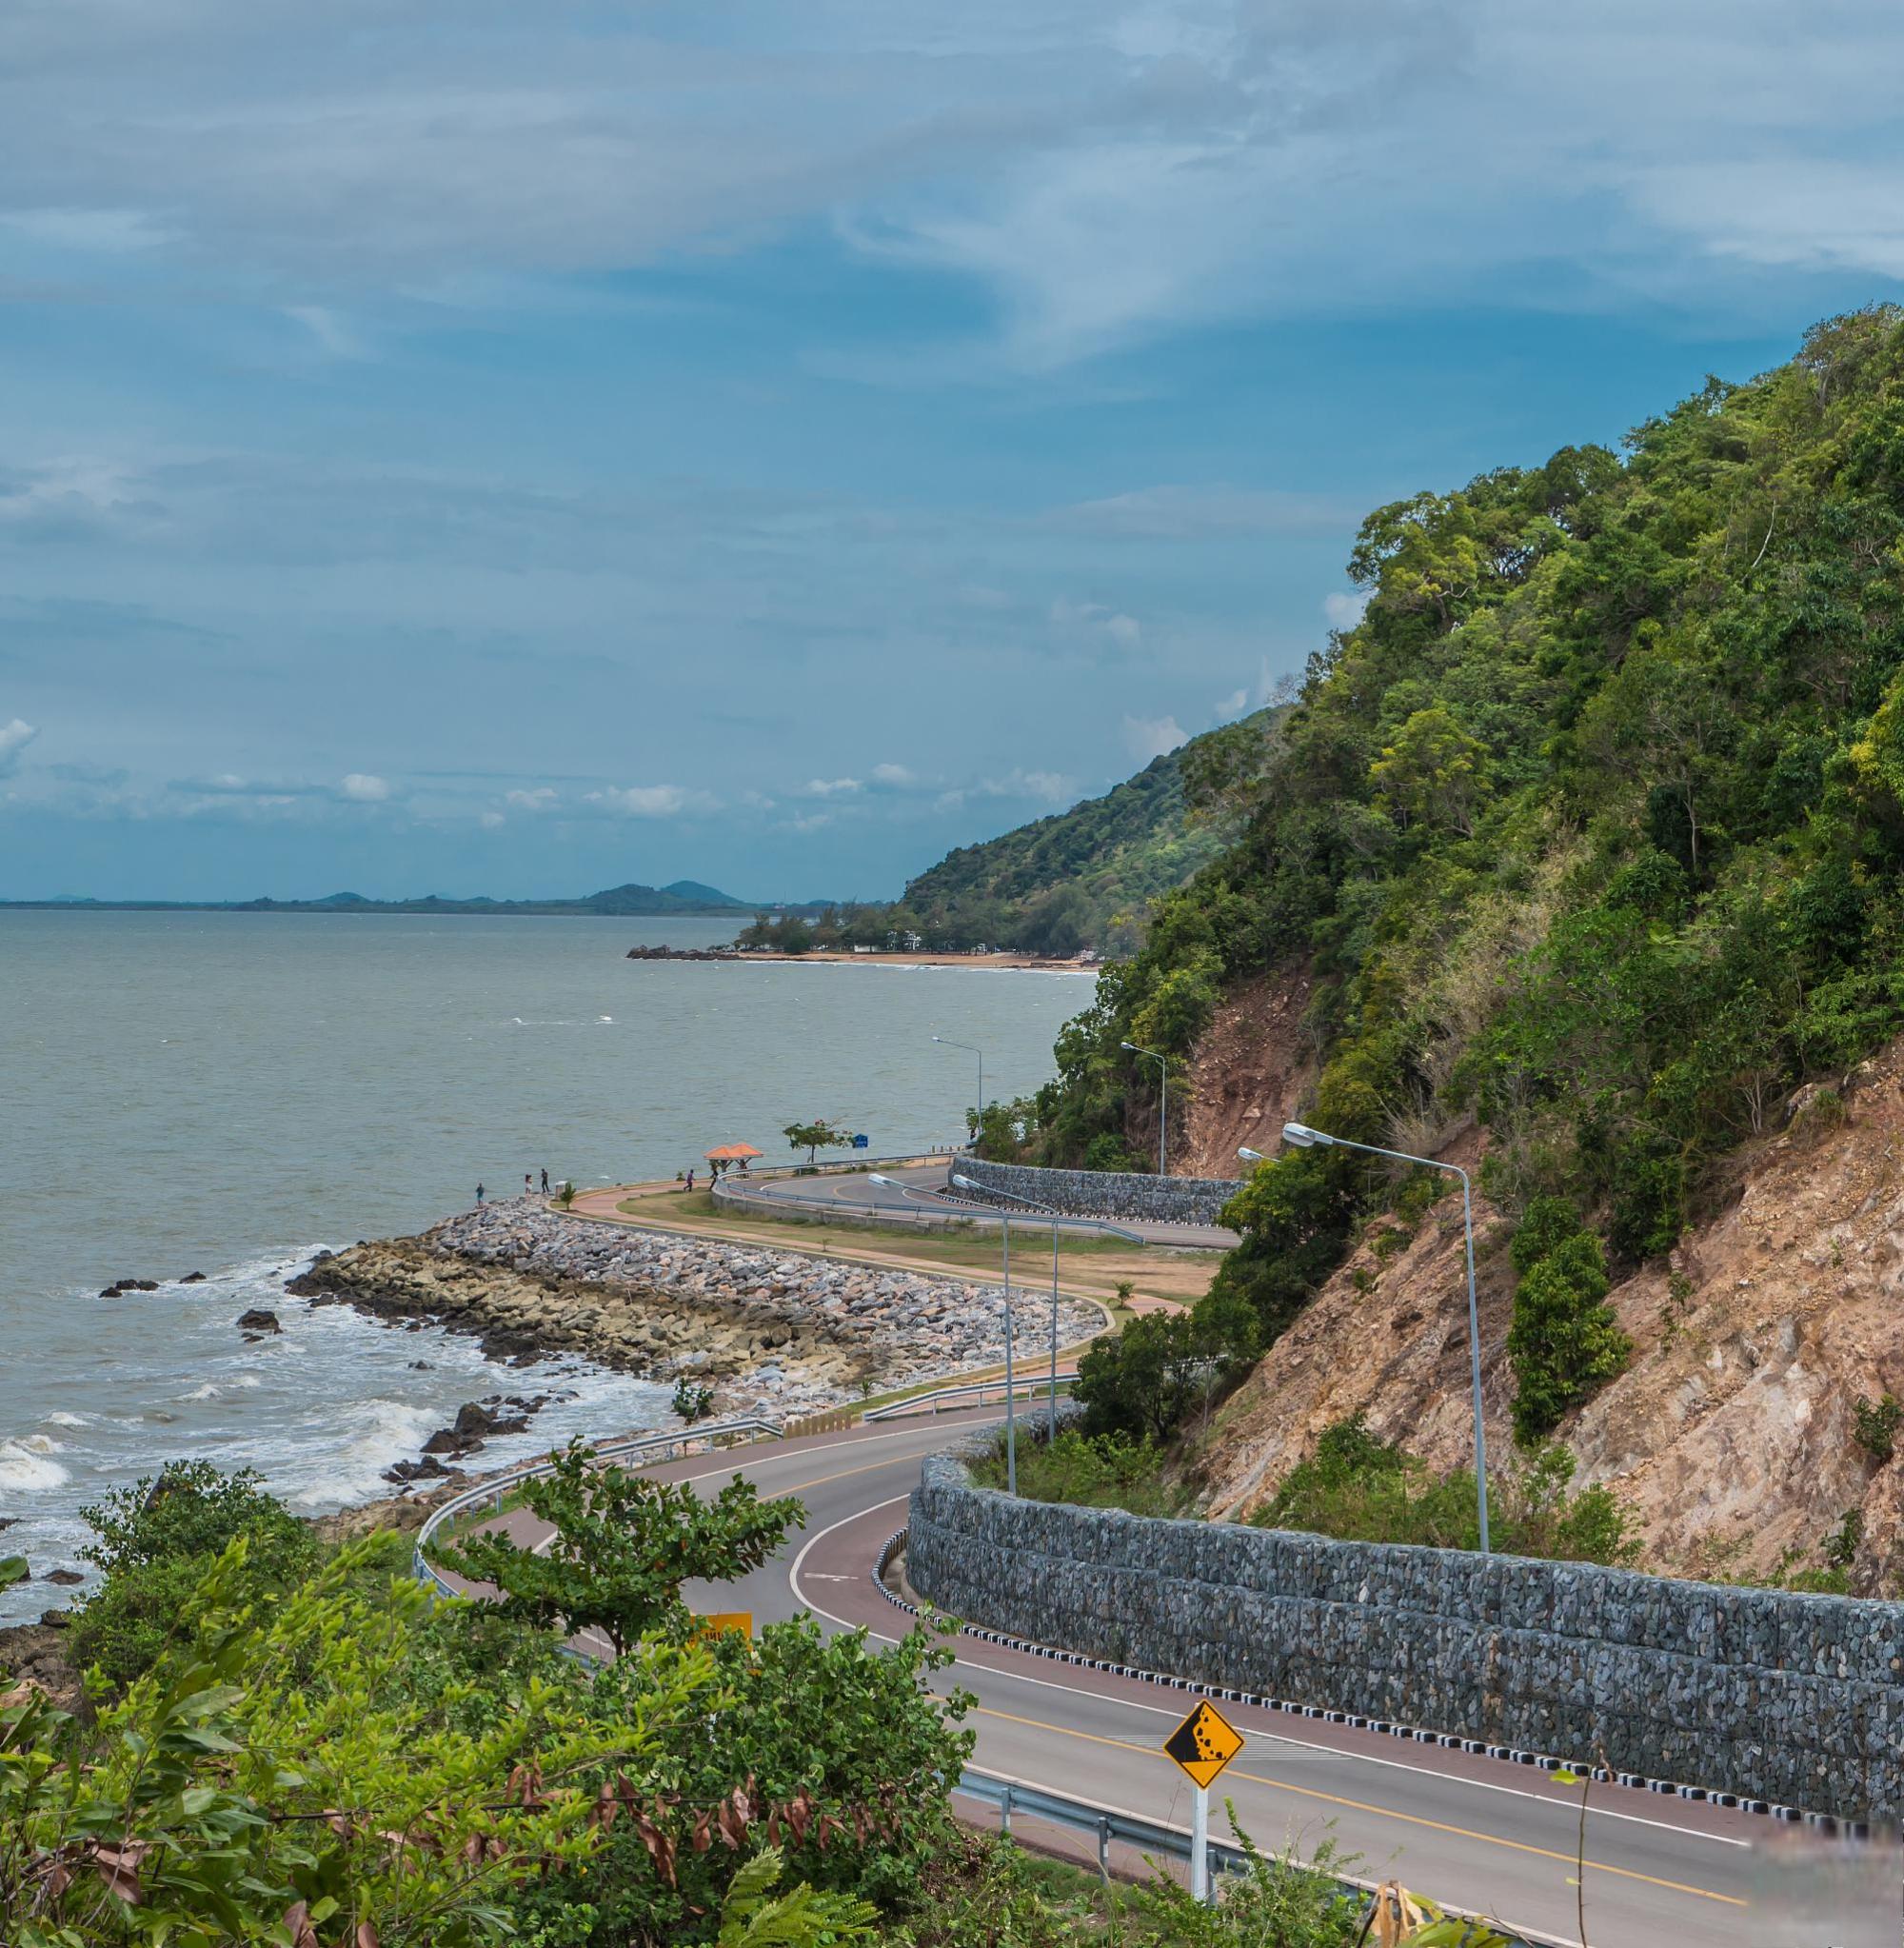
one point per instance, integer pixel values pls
(1089, 1471)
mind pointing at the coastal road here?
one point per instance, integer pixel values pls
(1477, 1834)
(920, 1191)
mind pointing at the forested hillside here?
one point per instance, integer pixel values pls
(1590, 834)
(1083, 877)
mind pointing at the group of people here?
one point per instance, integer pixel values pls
(528, 1185)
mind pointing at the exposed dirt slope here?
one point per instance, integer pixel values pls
(1731, 1433)
(1252, 1070)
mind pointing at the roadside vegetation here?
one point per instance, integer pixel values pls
(1362, 1488)
(1092, 1471)
(296, 1745)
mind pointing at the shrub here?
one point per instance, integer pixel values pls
(850, 1742)
(1564, 1340)
(1089, 1471)
(1874, 1425)
(1359, 1487)
(692, 1401)
(157, 1541)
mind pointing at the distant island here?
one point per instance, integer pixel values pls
(683, 896)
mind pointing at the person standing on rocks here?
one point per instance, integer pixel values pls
(529, 1187)
(545, 1181)
(478, 1193)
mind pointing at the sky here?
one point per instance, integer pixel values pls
(480, 447)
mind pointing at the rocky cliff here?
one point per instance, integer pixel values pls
(1731, 1433)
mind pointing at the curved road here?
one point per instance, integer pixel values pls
(1475, 1833)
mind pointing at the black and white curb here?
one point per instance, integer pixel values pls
(1819, 1822)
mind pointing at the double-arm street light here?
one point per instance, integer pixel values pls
(1162, 1062)
(1004, 1217)
(970, 1049)
(1303, 1138)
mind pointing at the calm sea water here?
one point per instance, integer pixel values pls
(228, 1092)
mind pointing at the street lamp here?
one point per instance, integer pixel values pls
(1299, 1135)
(1162, 1062)
(1004, 1217)
(970, 1049)
(1011, 1413)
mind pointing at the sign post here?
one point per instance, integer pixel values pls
(1202, 1745)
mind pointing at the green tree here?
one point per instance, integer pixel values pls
(814, 1137)
(622, 1547)
(1431, 773)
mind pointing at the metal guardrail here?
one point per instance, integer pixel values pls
(951, 1211)
(1150, 1837)
(651, 1446)
(971, 1393)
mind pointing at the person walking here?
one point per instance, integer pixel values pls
(478, 1193)
(691, 1179)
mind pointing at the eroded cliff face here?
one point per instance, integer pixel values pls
(1251, 1072)
(1731, 1433)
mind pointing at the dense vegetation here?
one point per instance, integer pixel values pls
(1082, 878)
(310, 1753)
(1591, 829)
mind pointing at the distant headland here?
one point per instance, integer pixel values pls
(682, 897)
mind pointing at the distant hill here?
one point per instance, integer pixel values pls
(683, 896)
(1082, 878)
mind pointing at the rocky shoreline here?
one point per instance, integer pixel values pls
(773, 1331)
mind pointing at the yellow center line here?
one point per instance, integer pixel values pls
(1519, 1846)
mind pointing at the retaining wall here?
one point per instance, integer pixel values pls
(1108, 1193)
(1797, 1700)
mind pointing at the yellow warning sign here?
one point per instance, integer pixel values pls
(1204, 1743)
(720, 1622)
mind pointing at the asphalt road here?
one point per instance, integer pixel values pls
(1479, 1834)
(920, 1191)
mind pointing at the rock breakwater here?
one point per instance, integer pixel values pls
(782, 1330)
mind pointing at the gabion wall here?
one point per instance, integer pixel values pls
(1797, 1700)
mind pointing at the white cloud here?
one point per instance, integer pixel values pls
(831, 788)
(363, 787)
(651, 800)
(15, 738)
(891, 774)
(1201, 513)
(1149, 737)
(1232, 705)
(1345, 611)
(1048, 787)
(540, 800)
(1098, 622)
(330, 328)
(492, 820)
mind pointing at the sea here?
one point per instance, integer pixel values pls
(228, 1093)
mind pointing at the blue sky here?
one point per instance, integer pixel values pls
(461, 447)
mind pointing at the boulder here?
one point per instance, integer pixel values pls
(192, 1278)
(259, 1320)
(65, 1578)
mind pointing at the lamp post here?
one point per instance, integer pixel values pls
(1302, 1137)
(970, 1049)
(1162, 1062)
(1032, 1203)
(1011, 1412)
